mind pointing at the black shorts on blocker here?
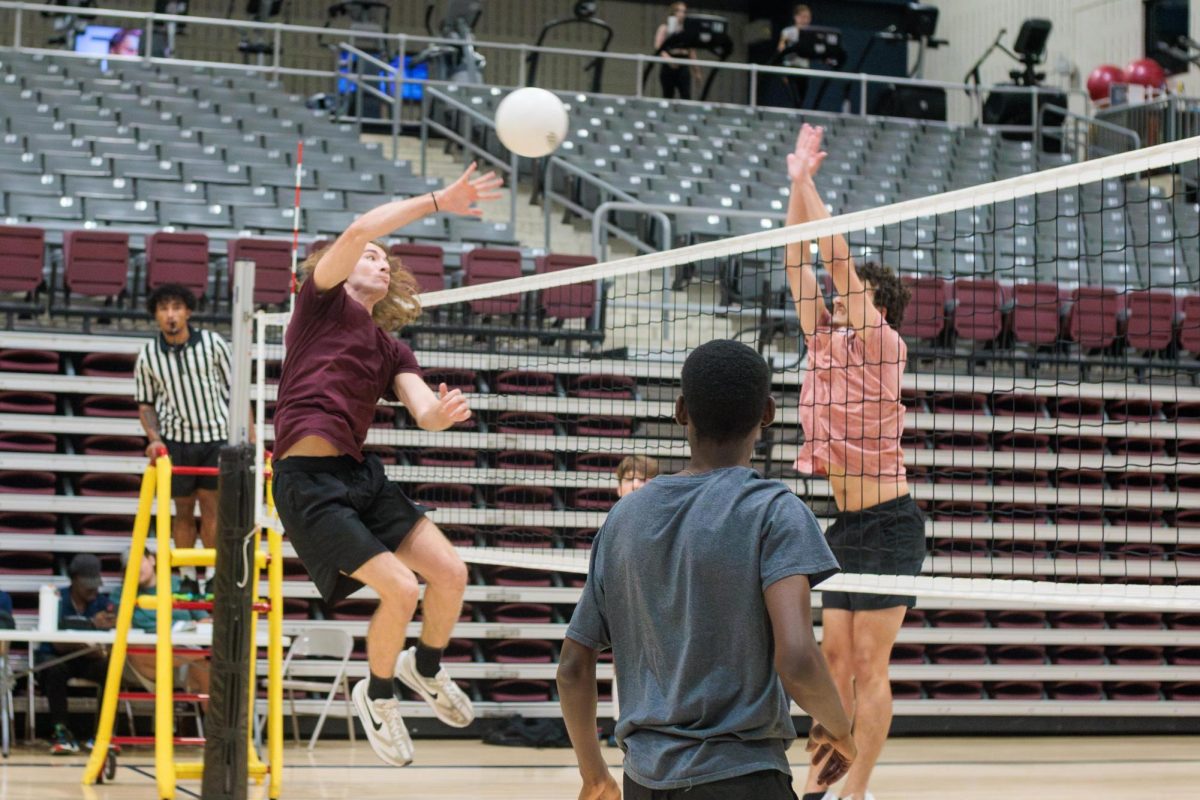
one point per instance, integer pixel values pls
(765, 785)
(339, 514)
(887, 539)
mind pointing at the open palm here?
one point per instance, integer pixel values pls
(461, 196)
(805, 161)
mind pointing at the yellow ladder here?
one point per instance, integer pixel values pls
(156, 485)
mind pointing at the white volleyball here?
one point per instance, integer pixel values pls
(531, 122)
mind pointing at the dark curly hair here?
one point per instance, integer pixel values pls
(891, 295)
(726, 386)
(170, 291)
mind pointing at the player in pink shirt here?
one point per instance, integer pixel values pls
(852, 417)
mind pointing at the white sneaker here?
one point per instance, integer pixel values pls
(384, 726)
(448, 701)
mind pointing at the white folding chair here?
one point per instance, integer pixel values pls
(335, 646)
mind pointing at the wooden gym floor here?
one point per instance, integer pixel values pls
(1077, 768)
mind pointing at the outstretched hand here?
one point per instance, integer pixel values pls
(452, 407)
(461, 196)
(805, 161)
(838, 754)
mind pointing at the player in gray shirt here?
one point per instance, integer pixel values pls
(700, 584)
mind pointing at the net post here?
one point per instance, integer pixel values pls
(226, 751)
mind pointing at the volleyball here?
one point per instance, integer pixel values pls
(531, 122)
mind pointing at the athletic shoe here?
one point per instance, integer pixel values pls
(442, 694)
(62, 742)
(384, 726)
(189, 587)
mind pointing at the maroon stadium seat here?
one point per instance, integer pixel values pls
(41, 361)
(488, 265)
(925, 317)
(464, 380)
(573, 301)
(1151, 321)
(526, 498)
(1035, 313)
(95, 263)
(28, 522)
(108, 365)
(22, 258)
(1092, 322)
(426, 262)
(447, 457)
(1189, 329)
(178, 258)
(272, 267)
(612, 387)
(27, 403)
(445, 495)
(525, 459)
(28, 442)
(517, 381)
(108, 405)
(978, 310)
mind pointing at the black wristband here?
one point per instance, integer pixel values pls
(433, 196)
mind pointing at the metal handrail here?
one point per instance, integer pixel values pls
(401, 40)
(464, 141)
(1092, 122)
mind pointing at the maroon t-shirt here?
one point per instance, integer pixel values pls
(337, 365)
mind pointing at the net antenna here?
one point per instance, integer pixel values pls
(455, 61)
(584, 13)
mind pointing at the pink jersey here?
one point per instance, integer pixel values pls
(850, 405)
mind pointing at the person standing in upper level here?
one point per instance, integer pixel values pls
(676, 77)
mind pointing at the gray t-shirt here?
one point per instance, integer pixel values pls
(675, 588)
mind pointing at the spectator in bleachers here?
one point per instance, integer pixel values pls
(125, 42)
(145, 664)
(675, 78)
(633, 472)
(797, 84)
(853, 418)
(182, 389)
(80, 607)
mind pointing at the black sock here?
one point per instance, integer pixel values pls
(429, 660)
(380, 688)
(813, 795)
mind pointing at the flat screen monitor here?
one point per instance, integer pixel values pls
(103, 40)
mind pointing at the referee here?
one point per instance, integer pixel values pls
(182, 390)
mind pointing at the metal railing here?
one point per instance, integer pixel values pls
(739, 84)
(470, 121)
(1167, 119)
(1086, 137)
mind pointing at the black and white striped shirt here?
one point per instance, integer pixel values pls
(188, 385)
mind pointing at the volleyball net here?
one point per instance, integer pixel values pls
(1051, 429)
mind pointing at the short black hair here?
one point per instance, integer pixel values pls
(170, 291)
(726, 387)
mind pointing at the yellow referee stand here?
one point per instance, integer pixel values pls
(156, 484)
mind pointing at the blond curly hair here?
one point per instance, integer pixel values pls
(401, 306)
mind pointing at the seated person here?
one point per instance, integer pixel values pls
(144, 664)
(80, 607)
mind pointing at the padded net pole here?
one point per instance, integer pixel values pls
(226, 750)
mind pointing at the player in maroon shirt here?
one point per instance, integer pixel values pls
(351, 526)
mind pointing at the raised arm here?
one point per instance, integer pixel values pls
(802, 164)
(338, 260)
(835, 253)
(805, 675)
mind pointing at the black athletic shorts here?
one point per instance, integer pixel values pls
(887, 539)
(185, 454)
(769, 784)
(339, 514)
